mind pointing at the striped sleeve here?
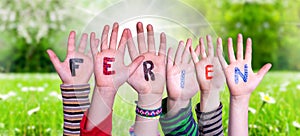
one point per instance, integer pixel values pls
(210, 123)
(181, 124)
(75, 103)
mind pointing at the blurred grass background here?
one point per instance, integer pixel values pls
(29, 27)
(32, 106)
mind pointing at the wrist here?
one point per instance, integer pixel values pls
(73, 82)
(239, 104)
(74, 85)
(149, 101)
(106, 91)
(240, 100)
(174, 106)
(106, 95)
(209, 101)
(209, 94)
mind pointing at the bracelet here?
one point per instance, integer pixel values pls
(150, 114)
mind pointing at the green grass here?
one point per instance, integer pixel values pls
(275, 119)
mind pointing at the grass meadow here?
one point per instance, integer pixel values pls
(31, 105)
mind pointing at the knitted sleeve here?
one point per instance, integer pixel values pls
(75, 103)
(210, 123)
(181, 124)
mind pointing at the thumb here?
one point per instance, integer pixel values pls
(54, 59)
(261, 73)
(135, 64)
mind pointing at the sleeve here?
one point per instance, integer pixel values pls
(75, 102)
(210, 123)
(102, 129)
(181, 124)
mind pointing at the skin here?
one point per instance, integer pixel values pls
(179, 97)
(107, 85)
(210, 88)
(85, 70)
(149, 92)
(240, 93)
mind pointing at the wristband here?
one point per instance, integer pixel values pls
(149, 114)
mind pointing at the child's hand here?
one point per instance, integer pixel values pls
(181, 79)
(209, 75)
(149, 79)
(110, 70)
(110, 73)
(209, 72)
(77, 67)
(239, 75)
(241, 82)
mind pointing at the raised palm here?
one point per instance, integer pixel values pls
(241, 80)
(209, 71)
(110, 70)
(77, 68)
(149, 78)
(181, 78)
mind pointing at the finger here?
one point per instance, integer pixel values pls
(133, 53)
(162, 46)
(220, 53)
(89, 53)
(194, 54)
(135, 64)
(94, 44)
(83, 42)
(150, 39)
(197, 50)
(202, 48)
(239, 53)
(104, 38)
(248, 54)
(122, 43)
(141, 38)
(114, 36)
(231, 51)
(54, 59)
(71, 43)
(179, 53)
(186, 54)
(261, 73)
(170, 59)
(210, 46)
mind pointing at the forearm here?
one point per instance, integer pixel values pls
(147, 126)
(209, 101)
(75, 103)
(101, 107)
(238, 115)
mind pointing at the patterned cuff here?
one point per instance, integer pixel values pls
(210, 123)
(181, 124)
(75, 103)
